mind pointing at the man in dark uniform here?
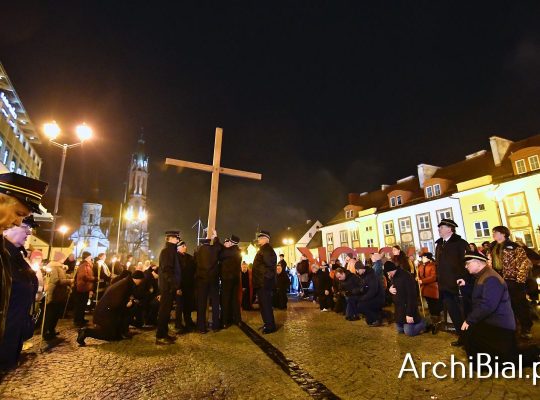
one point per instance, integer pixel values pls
(207, 282)
(185, 303)
(264, 280)
(169, 285)
(19, 196)
(111, 313)
(450, 252)
(231, 265)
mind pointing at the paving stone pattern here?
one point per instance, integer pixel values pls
(350, 359)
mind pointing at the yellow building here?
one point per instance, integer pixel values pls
(367, 225)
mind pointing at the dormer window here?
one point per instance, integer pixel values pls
(437, 189)
(399, 200)
(534, 164)
(392, 201)
(396, 201)
(520, 166)
(349, 214)
(429, 192)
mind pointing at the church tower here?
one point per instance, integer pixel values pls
(136, 212)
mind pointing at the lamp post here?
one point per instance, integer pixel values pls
(63, 230)
(52, 131)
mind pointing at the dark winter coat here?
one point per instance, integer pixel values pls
(264, 268)
(188, 267)
(405, 298)
(302, 267)
(283, 281)
(112, 307)
(207, 260)
(491, 301)
(372, 287)
(322, 282)
(451, 263)
(151, 283)
(170, 277)
(351, 286)
(5, 286)
(231, 262)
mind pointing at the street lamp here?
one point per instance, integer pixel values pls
(63, 230)
(52, 131)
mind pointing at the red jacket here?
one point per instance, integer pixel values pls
(85, 277)
(428, 275)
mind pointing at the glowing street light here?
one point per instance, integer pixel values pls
(52, 131)
(63, 229)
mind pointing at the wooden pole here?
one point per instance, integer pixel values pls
(212, 210)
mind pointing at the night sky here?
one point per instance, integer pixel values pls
(321, 98)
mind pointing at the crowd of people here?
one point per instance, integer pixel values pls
(483, 290)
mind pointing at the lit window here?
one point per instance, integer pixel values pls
(392, 201)
(344, 237)
(437, 189)
(354, 234)
(424, 222)
(515, 204)
(482, 229)
(429, 191)
(399, 200)
(370, 243)
(534, 164)
(520, 167)
(388, 228)
(405, 225)
(330, 238)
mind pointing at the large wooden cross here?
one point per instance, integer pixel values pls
(216, 169)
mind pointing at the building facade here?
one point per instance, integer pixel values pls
(135, 219)
(18, 136)
(89, 236)
(486, 189)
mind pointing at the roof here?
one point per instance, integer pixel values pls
(316, 241)
(529, 142)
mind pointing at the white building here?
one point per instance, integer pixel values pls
(89, 236)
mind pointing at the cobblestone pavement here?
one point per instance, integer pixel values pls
(350, 359)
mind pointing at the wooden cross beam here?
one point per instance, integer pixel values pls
(216, 169)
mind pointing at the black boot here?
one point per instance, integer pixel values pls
(81, 336)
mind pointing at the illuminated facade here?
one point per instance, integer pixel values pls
(486, 189)
(17, 133)
(135, 232)
(89, 236)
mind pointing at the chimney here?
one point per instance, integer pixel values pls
(363, 193)
(499, 147)
(474, 155)
(425, 171)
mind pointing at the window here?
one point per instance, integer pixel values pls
(330, 238)
(405, 225)
(428, 244)
(399, 200)
(482, 229)
(446, 213)
(344, 238)
(91, 219)
(478, 207)
(392, 201)
(370, 243)
(369, 228)
(515, 204)
(388, 228)
(520, 166)
(429, 191)
(534, 164)
(424, 222)
(354, 235)
(349, 213)
(437, 189)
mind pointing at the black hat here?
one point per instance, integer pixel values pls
(359, 265)
(234, 239)
(448, 222)
(427, 254)
(175, 234)
(475, 255)
(29, 221)
(181, 243)
(389, 266)
(137, 275)
(85, 254)
(265, 234)
(27, 190)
